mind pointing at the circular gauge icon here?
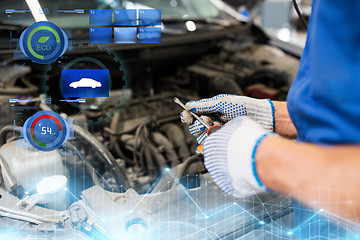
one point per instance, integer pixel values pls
(46, 131)
(43, 42)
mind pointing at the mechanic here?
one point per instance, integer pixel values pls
(252, 154)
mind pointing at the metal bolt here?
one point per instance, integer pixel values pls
(24, 204)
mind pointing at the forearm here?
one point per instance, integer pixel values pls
(283, 124)
(321, 177)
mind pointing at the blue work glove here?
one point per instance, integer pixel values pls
(230, 157)
(228, 107)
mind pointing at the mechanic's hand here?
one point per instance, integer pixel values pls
(230, 157)
(196, 128)
(228, 107)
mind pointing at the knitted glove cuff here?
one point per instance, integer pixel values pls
(262, 111)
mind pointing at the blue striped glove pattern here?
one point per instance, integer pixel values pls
(230, 157)
(228, 107)
(198, 129)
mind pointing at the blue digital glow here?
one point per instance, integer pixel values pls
(125, 17)
(46, 131)
(85, 82)
(149, 35)
(149, 16)
(125, 35)
(100, 35)
(48, 46)
(100, 17)
(43, 42)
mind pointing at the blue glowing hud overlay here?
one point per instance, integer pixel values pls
(130, 26)
(85, 82)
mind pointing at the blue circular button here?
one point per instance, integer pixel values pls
(43, 42)
(46, 131)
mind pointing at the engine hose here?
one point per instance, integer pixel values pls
(148, 157)
(190, 139)
(15, 188)
(119, 153)
(141, 142)
(176, 135)
(181, 170)
(130, 140)
(91, 170)
(7, 129)
(114, 122)
(301, 16)
(30, 89)
(161, 141)
(170, 178)
(119, 173)
(92, 114)
(157, 156)
(137, 143)
(187, 163)
(114, 144)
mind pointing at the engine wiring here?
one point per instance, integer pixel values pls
(301, 16)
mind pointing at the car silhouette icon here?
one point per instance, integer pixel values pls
(85, 82)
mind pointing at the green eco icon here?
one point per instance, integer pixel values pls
(43, 42)
(43, 39)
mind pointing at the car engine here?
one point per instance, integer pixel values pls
(130, 169)
(131, 163)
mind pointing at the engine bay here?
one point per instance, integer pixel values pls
(131, 166)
